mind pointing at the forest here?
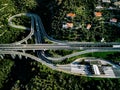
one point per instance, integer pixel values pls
(27, 74)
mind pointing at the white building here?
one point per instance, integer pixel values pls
(96, 70)
(106, 1)
(102, 40)
(99, 7)
(80, 69)
(67, 25)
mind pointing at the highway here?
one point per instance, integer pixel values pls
(40, 32)
(37, 29)
(22, 27)
(29, 56)
(40, 29)
(59, 59)
(50, 65)
(53, 47)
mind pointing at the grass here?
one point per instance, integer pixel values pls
(98, 54)
(102, 55)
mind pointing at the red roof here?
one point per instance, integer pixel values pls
(71, 15)
(98, 14)
(69, 25)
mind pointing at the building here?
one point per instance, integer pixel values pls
(117, 3)
(71, 15)
(113, 20)
(111, 8)
(99, 7)
(67, 25)
(96, 70)
(109, 71)
(80, 69)
(106, 1)
(89, 26)
(102, 40)
(98, 14)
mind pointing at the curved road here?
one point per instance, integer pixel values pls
(79, 53)
(29, 56)
(39, 33)
(40, 27)
(61, 44)
(22, 27)
(53, 66)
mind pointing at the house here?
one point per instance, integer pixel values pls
(88, 26)
(113, 20)
(71, 15)
(117, 3)
(99, 7)
(67, 25)
(102, 40)
(111, 7)
(106, 1)
(98, 14)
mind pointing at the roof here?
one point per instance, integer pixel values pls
(88, 26)
(117, 3)
(81, 69)
(98, 14)
(67, 25)
(72, 15)
(96, 70)
(107, 1)
(102, 40)
(99, 7)
(70, 25)
(113, 20)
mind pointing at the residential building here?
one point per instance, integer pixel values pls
(99, 7)
(98, 14)
(89, 26)
(67, 25)
(106, 1)
(117, 3)
(71, 15)
(113, 20)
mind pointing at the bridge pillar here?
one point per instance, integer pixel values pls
(26, 57)
(30, 37)
(26, 42)
(34, 51)
(13, 56)
(20, 56)
(24, 52)
(2, 57)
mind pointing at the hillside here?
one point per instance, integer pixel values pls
(27, 74)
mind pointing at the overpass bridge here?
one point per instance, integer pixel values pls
(16, 48)
(57, 47)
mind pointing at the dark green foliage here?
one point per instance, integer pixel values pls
(84, 10)
(111, 56)
(31, 75)
(26, 74)
(5, 69)
(8, 34)
(53, 80)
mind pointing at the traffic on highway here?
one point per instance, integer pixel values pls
(37, 29)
